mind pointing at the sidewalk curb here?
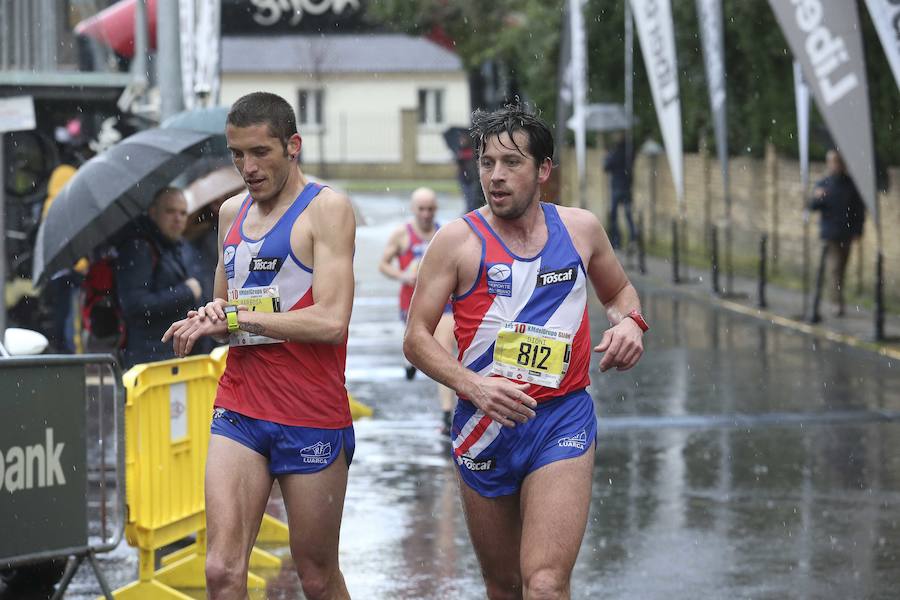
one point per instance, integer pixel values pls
(775, 319)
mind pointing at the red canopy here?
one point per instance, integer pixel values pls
(114, 26)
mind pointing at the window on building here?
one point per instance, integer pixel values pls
(431, 106)
(311, 107)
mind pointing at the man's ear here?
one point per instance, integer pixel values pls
(294, 144)
(544, 170)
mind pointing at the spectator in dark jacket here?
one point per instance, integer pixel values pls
(154, 278)
(842, 217)
(618, 163)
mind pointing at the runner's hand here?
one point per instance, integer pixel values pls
(623, 345)
(214, 310)
(186, 332)
(503, 400)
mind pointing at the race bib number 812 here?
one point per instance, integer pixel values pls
(532, 354)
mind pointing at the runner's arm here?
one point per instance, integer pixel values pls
(327, 319)
(391, 252)
(502, 400)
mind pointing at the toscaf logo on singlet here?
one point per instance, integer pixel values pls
(269, 265)
(557, 276)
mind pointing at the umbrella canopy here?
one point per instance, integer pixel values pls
(111, 190)
(205, 120)
(208, 120)
(221, 184)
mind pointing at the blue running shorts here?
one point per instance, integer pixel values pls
(495, 460)
(290, 450)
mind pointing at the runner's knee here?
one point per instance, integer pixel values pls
(317, 582)
(223, 577)
(546, 584)
(507, 587)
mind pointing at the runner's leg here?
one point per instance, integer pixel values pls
(495, 530)
(315, 504)
(237, 489)
(555, 502)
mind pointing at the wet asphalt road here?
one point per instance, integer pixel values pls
(738, 460)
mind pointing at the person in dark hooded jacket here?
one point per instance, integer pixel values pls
(842, 217)
(154, 278)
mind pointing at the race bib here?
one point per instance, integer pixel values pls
(532, 354)
(259, 299)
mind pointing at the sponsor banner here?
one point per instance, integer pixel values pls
(579, 70)
(886, 16)
(656, 34)
(825, 38)
(712, 37)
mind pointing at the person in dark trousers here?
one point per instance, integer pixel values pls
(842, 217)
(618, 163)
(154, 280)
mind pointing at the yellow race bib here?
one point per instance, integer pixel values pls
(260, 299)
(532, 354)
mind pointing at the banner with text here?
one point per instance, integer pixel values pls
(657, 36)
(712, 37)
(886, 16)
(824, 36)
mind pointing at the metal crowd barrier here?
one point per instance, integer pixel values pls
(62, 479)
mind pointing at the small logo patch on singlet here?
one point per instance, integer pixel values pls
(269, 265)
(557, 276)
(499, 279)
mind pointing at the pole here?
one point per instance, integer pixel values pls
(714, 248)
(139, 65)
(169, 53)
(629, 87)
(676, 275)
(879, 297)
(763, 242)
(2, 239)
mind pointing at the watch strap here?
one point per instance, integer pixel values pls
(231, 316)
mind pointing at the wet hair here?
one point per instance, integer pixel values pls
(510, 119)
(265, 108)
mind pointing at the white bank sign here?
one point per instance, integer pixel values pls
(28, 467)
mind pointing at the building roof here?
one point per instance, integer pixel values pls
(362, 53)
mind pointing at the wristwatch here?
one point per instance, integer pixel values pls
(231, 315)
(638, 318)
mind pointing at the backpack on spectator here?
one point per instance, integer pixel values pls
(102, 319)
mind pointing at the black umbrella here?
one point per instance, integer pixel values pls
(111, 190)
(209, 119)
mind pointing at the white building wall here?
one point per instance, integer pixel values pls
(362, 112)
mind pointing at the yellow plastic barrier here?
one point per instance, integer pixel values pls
(167, 417)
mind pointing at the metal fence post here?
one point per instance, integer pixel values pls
(763, 243)
(714, 258)
(676, 278)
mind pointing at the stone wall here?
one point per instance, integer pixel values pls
(766, 198)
